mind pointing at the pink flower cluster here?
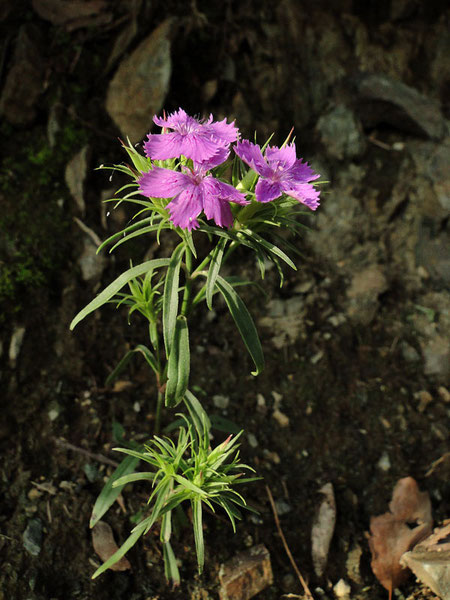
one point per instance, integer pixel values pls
(194, 190)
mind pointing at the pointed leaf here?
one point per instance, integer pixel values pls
(170, 300)
(109, 493)
(117, 285)
(148, 355)
(244, 323)
(214, 268)
(129, 542)
(178, 364)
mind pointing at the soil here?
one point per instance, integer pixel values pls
(353, 416)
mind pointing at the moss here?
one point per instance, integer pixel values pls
(33, 226)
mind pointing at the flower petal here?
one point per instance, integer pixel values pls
(301, 171)
(214, 206)
(198, 146)
(228, 192)
(163, 146)
(163, 183)
(304, 193)
(222, 131)
(178, 120)
(266, 190)
(252, 155)
(185, 208)
(219, 157)
(281, 157)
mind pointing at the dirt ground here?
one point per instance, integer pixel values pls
(352, 403)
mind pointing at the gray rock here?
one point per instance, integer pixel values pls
(139, 87)
(75, 174)
(363, 293)
(32, 537)
(341, 133)
(24, 82)
(386, 100)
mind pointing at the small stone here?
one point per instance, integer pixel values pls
(32, 537)
(137, 407)
(15, 344)
(34, 494)
(384, 463)
(246, 574)
(342, 589)
(280, 418)
(221, 402)
(444, 393)
(424, 398)
(341, 133)
(75, 174)
(353, 563)
(283, 508)
(252, 441)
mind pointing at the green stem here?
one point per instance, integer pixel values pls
(185, 306)
(159, 403)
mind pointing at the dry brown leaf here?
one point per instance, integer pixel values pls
(105, 546)
(392, 537)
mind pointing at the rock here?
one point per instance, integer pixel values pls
(386, 100)
(139, 87)
(24, 82)
(221, 401)
(342, 589)
(341, 133)
(15, 344)
(90, 263)
(363, 293)
(430, 561)
(32, 537)
(436, 352)
(75, 174)
(280, 418)
(73, 14)
(246, 574)
(323, 529)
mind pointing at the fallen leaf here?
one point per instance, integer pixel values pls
(391, 537)
(105, 546)
(323, 529)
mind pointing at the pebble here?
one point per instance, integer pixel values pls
(32, 537)
(424, 398)
(342, 589)
(384, 462)
(15, 344)
(280, 418)
(253, 442)
(221, 401)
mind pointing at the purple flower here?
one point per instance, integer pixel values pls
(190, 137)
(192, 192)
(280, 173)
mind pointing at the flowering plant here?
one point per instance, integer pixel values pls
(179, 185)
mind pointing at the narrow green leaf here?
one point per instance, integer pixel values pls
(170, 299)
(271, 248)
(117, 285)
(178, 364)
(148, 355)
(197, 524)
(170, 565)
(197, 413)
(109, 493)
(129, 543)
(166, 527)
(214, 268)
(244, 323)
(132, 478)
